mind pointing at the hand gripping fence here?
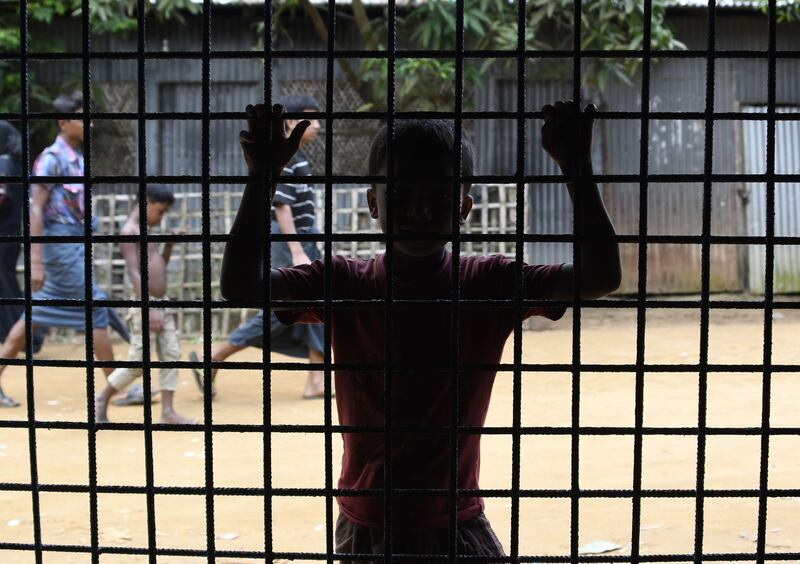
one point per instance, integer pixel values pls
(94, 549)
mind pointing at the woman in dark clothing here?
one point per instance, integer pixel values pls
(11, 197)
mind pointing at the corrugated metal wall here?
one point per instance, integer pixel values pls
(675, 146)
(787, 201)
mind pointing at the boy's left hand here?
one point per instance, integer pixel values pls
(265, 144)
(567, 133)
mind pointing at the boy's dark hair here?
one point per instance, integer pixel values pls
(430, 139)
(68, 103)
(299, 103)
(160, 194)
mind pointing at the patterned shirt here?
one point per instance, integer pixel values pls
(65, 204)
(299, 196)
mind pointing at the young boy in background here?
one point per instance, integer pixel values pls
(163, 332)
(422, 206)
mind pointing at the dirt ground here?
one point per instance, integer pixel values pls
(606, 462)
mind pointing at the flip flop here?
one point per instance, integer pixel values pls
(198, 375)
(7, 401)
(196, 372)
(135, 396)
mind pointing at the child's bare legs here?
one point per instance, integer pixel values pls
(315, 383)
(101, 400)
(102, 348)
(168, 413)
(168, 349)
(314, 387)
(15, 341)
(103, 351)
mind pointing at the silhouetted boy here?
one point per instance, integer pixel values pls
(422, 208)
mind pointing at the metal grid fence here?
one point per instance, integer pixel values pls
(206, 238)
(494, 212)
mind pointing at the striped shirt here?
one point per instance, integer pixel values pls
(299, 196)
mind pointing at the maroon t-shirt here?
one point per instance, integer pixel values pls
(420, 338)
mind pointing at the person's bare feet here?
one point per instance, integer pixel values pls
(315, 385)
(100, 408)
(173, 418)
(7, 401)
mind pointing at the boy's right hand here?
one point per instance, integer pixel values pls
(265, 145)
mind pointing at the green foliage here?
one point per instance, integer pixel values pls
(105, 17)
(120, 16)
(787, 11)
(428, 84)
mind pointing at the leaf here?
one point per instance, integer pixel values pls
(116, 534)
(599, 547)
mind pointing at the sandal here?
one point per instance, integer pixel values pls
(135, 396)
(198, 375)
(7, 401)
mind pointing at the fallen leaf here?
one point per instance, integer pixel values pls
(754, 538)
(319, 527)
(189, 454)
(228, 536)
(598, 547)
(116, 534)
(14, 523)
(748, 536)
(651, 527)
(53, 402)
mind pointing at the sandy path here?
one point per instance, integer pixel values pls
(606, 461)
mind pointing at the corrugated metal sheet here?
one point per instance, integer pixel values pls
(675, 146)
(787, 200)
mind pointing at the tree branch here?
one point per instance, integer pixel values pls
(322, 31)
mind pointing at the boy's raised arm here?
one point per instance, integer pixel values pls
(567, 137)
(266, 147)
